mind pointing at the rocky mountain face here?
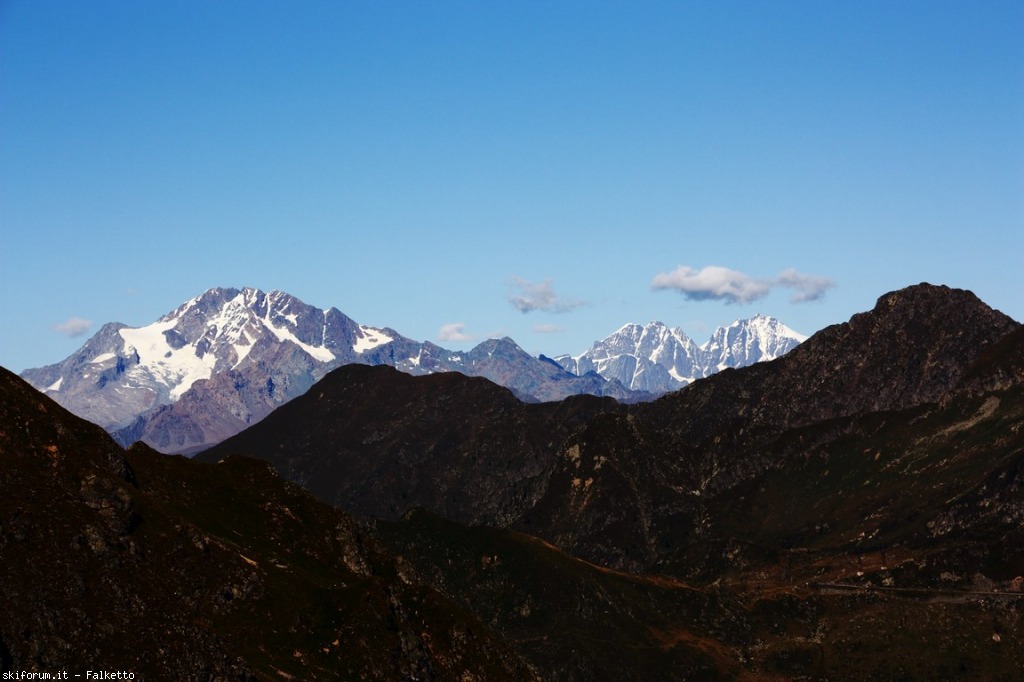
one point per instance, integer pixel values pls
(658, 359)
(227, 358)
(649, 462)
(137, 562)
(503, 362)
(851, 511)
(462, 446)
(228, 572)
(864, 492)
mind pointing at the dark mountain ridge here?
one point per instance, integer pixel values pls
(756, 525)
(613, 483)
(362, 430)
(170, 569)
(167, 568)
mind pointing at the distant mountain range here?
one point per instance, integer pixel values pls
(228, 357)
(850, 503)
(583, 471)
(657, 359)
(851, 511)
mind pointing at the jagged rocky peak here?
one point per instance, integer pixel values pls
(913, 347)
(227, 357)
(745, 342)
(649, 339)
(657, 358)
(239, 317)
(123, 371)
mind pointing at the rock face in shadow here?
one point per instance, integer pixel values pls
(853, 510)
(462, 446)
(614, 483)
(170, 569)
(860, 499)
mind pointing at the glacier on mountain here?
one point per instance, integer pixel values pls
(226, 358)
(657, 359)
(123, 371)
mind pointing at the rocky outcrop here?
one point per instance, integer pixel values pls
(765, 523)
(616, 484)
(215, 571)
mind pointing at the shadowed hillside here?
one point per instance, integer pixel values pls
(851, 511)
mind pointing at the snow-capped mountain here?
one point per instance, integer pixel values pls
(657, 359)
(226, 358)
(652, 358)
(745, 342)
(122, 371)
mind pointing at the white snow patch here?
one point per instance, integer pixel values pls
(55, 386)
(674, 373)
(175, 369)
(316, 352)
(103, 357)
(291, 317)
(242, 348)
(370, 338)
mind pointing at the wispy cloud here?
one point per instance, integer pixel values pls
(532, 296)
(715, 283)
(73, 327)
(806, 287)
(548, 329)
(453, 331)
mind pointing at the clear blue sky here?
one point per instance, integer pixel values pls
(424, 165)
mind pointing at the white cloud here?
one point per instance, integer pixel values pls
(722, 284)
(808, 287)
(547, 329)
(73, 327)
(540, 296)
(453, 331)
(712, 283)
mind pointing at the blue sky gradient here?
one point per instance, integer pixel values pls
(424, 165)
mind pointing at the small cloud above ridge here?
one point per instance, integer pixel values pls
(807, 287)
(540, 296)
(73, 327)
(453, 331)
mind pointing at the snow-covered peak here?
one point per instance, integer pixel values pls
(653, 357)
(653, 336)
(123, 370)
(227, 357)
(745, 342)
(657, 358)
(369, 338)
(219, 330)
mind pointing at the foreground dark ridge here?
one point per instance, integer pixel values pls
(171, 569)
(859, 538)
(624, 486)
